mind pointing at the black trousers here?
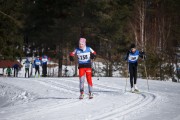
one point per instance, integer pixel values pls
(37, 70)
(133, 73)
(26, 71)
(9, 74)
(44, 70)
(15, 72)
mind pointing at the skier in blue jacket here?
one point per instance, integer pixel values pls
(44, 65)
(27, 66)
(132, 57)
(16, 68)
(37, 63)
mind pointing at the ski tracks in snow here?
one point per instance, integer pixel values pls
(142, 100)
(71, 87)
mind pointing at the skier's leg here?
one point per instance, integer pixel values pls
(38, 72)
(135, 74)
(82, 79)
(28, 72)
(17, 72)
(25, 72)
(14, 72)
(35, 71)
(131, 75)
(135, 78)
(89, 78)
(45, 72)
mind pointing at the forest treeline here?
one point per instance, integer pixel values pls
(53, 27)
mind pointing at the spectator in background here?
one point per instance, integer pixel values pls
(37, 63)
(27, 66)
(8, 71)
(16, 68)
(66, 71)
(44, 65)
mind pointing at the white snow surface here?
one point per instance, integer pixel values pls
(57, 99)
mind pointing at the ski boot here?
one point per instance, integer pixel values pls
(81, 96)
(90, 95)
(135, 88)
(131, 90)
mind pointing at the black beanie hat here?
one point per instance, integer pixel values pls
(133, 46)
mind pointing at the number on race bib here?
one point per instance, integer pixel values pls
(83, 57)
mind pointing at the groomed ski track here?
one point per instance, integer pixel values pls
(57, 99)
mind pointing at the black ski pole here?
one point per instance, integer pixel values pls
(127, 75)
(98, 72)
(95, 69)
(146, 73)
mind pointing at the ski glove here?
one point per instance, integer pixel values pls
(142, 55)
(71, 57)
(127, 55)
(93, 55)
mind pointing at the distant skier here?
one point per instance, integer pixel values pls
(16, 68)
(132, 58)
(27, 66)
(66, 71)
(8, 71)
(84, 54)
(44, 65)
(37, 63)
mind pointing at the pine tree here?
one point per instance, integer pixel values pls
(11, 40)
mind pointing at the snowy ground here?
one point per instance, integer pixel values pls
(57, 99)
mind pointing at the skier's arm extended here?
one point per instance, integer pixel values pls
(127, 55)
(142, 55)
(71, 55)
(93, 54)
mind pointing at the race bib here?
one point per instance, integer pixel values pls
(83, 57)
(38, 63)
(133, 58)
(27, 65)
(44, 60)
